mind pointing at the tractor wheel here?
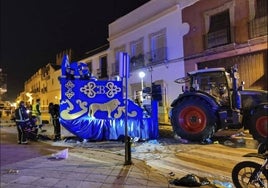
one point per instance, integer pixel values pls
(194, 119)
(259, 125)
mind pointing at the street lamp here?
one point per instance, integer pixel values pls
(141, 75)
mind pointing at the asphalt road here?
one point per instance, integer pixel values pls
(214, 161)
(12, 152)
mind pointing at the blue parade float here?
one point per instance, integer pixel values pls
(95, 109)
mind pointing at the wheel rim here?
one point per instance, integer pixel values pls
(192, 119)
(261, 126)
(245, 176)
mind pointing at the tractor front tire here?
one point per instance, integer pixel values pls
(259, 125)
(194, 119)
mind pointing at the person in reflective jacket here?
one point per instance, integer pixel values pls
(21, 118)
(36, 112)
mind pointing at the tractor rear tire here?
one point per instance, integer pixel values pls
(259, 126)
(194, 119)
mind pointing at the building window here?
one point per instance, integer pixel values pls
(219, 21)
(103, 67)
(158, 50)
(260, 8)
(136, 47)
(225, 14)
(115, 65)
(89, 65)
(258, 23)
(219, 30)
(137, 54)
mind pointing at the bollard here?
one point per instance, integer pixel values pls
(127, 151)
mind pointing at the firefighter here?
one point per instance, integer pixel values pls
(21, 118)
(36, 113)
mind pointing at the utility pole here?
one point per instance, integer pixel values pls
(124, 74)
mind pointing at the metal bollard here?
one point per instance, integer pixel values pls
(127, 151)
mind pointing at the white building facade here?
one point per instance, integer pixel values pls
(152, 35)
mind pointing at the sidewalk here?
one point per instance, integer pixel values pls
(83, 168)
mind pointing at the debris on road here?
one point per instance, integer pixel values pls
(61, 154)
(192, 180)
(12, 171)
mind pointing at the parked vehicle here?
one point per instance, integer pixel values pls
(248, 174)
(213, 100)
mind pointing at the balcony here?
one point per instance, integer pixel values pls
(137, 62)
(219, 38)
(45, 73)
(157, 56)
(149, 59)
(258, 27)
(45, 77)
(102, 73)
(44, 90)
(35, 90)
(115, 68)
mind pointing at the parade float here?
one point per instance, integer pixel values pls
(96, 110)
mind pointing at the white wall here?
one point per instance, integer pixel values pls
(169, 19)
(95, 59)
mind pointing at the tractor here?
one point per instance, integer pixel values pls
(212, 100)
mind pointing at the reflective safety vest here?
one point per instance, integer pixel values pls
(21, 115)
(35, 110)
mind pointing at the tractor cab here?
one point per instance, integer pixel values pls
(215, 82)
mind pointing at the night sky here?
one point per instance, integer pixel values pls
(34, 31)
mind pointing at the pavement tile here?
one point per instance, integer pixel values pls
(89, 184)
(25, 180)
(45, 182)
(96, 178)
(7, 178)
(136, 181)
(120, 186)
(66, 183)
(103, 170)
(76, 175)
(117, 180)
(84, 168)
(14, 185)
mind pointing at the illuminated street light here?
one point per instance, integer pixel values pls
(141, 75)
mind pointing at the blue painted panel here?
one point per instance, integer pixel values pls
(95, 110)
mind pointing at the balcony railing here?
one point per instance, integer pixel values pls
(258, 27)
(137, 62)
(219, 38)
(44, 90)
(35, 90)
(102, 73)
(45, 77)
(151, 58)
(157, 56)
(115, 68)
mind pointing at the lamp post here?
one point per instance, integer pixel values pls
(124, 74)
(141, 75)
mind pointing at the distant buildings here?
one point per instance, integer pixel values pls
(3, 83)
(166, 39)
